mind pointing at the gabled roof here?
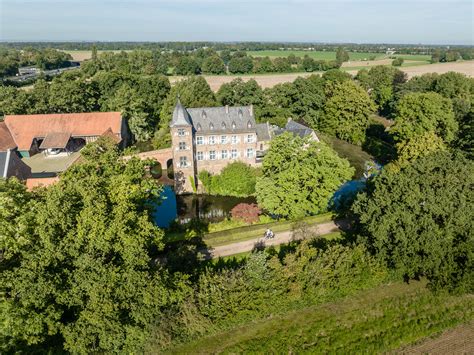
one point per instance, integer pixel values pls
(24, 128)
(180, 116)
(298, 129)
(6, 139)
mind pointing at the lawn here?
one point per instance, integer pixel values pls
(373, 321)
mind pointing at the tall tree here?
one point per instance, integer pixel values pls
(417, 113)
(80, 271)
(347, 111)
(299, 177)
(420, 220)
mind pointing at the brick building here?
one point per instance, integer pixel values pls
(209, 138)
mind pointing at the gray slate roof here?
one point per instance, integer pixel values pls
(296, 128)
(180, 116)
(263, 132)
(238, 119)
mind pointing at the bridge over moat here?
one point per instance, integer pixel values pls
(164, 157)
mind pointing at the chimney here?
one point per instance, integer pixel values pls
(251, 110)
(227, 109)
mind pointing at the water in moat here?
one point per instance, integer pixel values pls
(187, 207)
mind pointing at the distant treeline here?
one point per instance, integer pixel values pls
(237, 46)
(204, 61)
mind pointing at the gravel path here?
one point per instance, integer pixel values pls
(280, 238)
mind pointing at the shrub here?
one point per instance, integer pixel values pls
(247, 212)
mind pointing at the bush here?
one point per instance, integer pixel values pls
(397, 62)
(247, 212)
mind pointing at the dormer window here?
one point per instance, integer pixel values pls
(203, 114)
(223, 125)
(249, 124)
(198, 127)
(233, 124)
(211, 126)
(241, 114)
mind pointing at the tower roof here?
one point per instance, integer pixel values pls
(180, 116)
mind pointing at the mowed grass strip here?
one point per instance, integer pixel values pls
(376, 320)
(255, 231)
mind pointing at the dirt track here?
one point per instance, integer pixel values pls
(459, 340)
(270, 80)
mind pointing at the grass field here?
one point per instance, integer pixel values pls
(328, 55)
(373, 321)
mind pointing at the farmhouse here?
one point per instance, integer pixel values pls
(209, 138)
(37, 146)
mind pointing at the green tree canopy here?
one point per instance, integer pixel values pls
(417, 113)
(420, 220)
(382, 81)
(213, 65)
(347, 111)
(299, 177)
(78, 271)
(239, 92)
(193, 92)
(236, 179)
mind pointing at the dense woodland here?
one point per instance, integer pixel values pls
(83, 267)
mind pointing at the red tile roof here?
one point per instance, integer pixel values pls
(24, 128)
(6, 139)
(31, 183)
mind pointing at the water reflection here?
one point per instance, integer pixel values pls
(206, 207)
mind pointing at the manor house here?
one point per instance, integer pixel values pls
(209, 138)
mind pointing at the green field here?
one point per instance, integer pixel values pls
(373, 321)
(328, 55)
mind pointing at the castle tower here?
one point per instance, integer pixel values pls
(182, 143)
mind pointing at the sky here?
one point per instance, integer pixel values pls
(348, 21)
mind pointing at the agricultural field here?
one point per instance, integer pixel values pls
(80, 56)
(373, 321)
(328, 55)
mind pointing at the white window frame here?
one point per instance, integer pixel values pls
(199, 140)
(181, 159)
(250, 150)
(211, 153)
(224, 154)
(181, 132)
(200, 156)
(234, 154)
(234, 139)
(223, 139)
(182, 146)
(249, 138)
(212, 140)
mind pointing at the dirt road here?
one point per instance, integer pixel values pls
(280, 238)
